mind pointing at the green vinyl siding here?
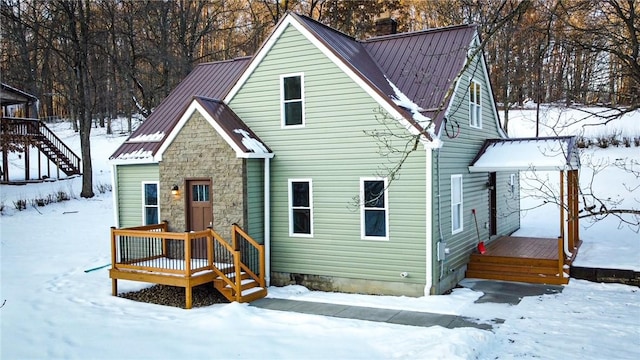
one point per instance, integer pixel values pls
(508, 203)
(255, 199)
(453, 158)
(129, 196)
(333, 150)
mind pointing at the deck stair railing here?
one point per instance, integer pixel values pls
(45, 140)
(152, 254)
(239, 266)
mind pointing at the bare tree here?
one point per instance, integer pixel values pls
(609, 32)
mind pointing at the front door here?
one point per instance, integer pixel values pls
(493, 205)
(199, 213)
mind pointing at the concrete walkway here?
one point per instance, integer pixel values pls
(494, 291)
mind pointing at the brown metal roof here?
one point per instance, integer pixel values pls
(210, 80)
(422, 64)
(235, 128)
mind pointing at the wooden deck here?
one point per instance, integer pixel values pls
(524, 259)
(152, 254)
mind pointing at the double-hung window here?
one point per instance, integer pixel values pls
(151, 209)
(456, 204)
(292, 94)
(300, 207)
(475, 105)
(374, 212)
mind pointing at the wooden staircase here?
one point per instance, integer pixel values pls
(245, 290)
(35, 132)
(241, 282)
(520, 259)
(57, 151)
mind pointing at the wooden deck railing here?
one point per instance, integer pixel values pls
(252, 254)
(152, 254)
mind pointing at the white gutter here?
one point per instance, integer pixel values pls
(429, 221)
(267, 221)
(114, 194)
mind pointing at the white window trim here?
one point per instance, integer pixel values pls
(144, 206)
(282, 101)
(362, 209)
(474, 104)
(461, 212)
(290, 207)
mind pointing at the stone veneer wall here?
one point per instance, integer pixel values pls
(199, 152)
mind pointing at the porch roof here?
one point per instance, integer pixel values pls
(12, 96)
(238, 134)
(536, 154)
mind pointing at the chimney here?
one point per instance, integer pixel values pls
(386, 26)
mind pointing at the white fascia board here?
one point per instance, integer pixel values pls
(458, 80)
(251, 155)
(485, 70)
(257, 58)
(385, 103)
(478, 169)
(148, 160)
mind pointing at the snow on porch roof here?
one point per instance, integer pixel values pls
(541, 154)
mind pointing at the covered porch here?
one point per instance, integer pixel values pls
(532, 259)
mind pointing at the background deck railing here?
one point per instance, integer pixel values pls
(152, 254)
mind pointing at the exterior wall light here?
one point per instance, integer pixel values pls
(175, 191)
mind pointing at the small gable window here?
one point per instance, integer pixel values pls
(475, 105)
(300, 208)
(292, 94)
(374, 213)
(456, 204)
(151, 210)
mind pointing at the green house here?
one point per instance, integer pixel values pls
(348, 159)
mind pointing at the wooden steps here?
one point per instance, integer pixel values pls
(57, 151)
(250, 290)
(529, 260)
(36, 133)
(519, 270)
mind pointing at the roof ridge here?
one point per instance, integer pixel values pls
(208, 99)
(417, 32)
(239, 58)
(305, 17)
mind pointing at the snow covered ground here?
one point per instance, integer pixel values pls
(51, 308)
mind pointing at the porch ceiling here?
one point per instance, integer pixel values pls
(536, 154)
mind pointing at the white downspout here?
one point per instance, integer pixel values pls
(267, 221)
(429, 221)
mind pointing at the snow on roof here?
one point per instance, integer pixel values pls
(543, 154)
(155, 137)
(425, 122)
(138, 155)
(250, 143)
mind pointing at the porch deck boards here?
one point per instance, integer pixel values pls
(523, 247)
(524, 259)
